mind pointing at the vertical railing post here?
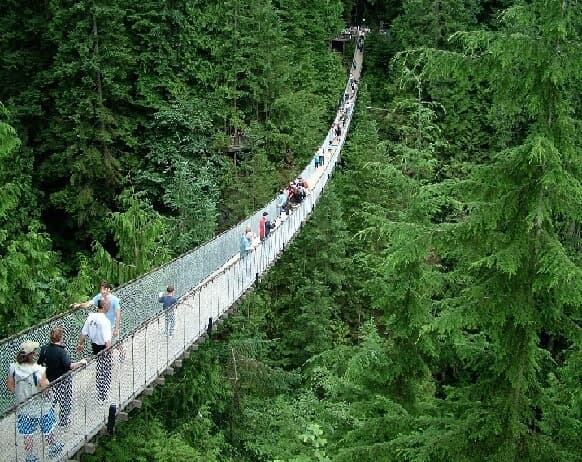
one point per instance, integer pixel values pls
(185, 307)
(199, 314)
(133, 385)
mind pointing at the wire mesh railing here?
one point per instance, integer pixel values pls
(208, 280)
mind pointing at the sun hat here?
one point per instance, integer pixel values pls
(29, 346)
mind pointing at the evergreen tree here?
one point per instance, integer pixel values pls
(31, 284)
(179, 172)
(140, 235)
(518, 284)
(80, 159)
(247, 187)
(430, 23)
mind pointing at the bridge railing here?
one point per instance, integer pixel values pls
(208, 281)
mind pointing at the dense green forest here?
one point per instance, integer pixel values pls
(117, 119)
(430, 309)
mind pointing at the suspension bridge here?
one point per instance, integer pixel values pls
(207, 281)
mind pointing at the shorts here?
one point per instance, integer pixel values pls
(27, 425)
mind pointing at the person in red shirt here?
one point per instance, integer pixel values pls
(264, 226)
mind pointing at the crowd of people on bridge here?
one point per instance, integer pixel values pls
(293, 195)
(29, 377)
(356, 30)
(287, 200)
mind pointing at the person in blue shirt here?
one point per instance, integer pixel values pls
(168, 302)
(246, 242)
(281, 202)
(114, 313)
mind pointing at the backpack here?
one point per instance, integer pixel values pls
(26, 384)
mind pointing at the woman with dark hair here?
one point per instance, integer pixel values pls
(26, 379)
(55, 358)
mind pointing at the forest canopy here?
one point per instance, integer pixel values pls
(120, 119)
(430, 309)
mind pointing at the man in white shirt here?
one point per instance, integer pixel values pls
(114, 314)
(98, 328)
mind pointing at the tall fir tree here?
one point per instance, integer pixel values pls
(31, 284)
(519, 284)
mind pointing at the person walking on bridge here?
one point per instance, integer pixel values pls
(264, 226)
(114, 313)
(98, 328)
(168, 302)
(55, 358)
(25, 379)
(281, 203)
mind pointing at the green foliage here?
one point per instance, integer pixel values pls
(429, 311)
(430, 23)
(194, 195)
(149, 440)
(313, 437)
(31, 284)
(177, 133)
(80, 158)
(8, 139)
(177, 423)
(179, 173)
(140, 238)
(508, 279)
(247, 187)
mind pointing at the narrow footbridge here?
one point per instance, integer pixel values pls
(208, 281)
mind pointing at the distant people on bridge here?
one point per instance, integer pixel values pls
(168, 302)
(321, 155)
(295, 195)
(281, 202)
(247, 242)
(57, 361)
(303, 184)
(345, 97)
(98, 328)
(265, 226)
(114, 313)
(330, 152)
(298, 190)
(348, 106)
(25, 379)
(356, 30)
(316, 160)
